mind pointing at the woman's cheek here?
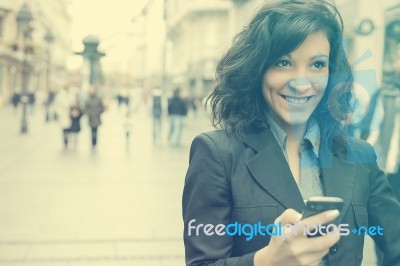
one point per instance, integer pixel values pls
(321, 82)
(275, 80)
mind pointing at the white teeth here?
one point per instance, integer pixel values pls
(296, 100)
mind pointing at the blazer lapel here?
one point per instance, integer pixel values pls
(338, 177)
(271, 171)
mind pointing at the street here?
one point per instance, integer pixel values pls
(117, 205)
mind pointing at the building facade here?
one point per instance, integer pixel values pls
(369, 38)
(198, 32)
(49, 46)
(150, 44)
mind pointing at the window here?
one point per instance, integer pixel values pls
(1, 26)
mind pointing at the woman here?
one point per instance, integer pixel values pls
(94, 107)
(282, 94)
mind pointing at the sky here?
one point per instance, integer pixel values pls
(111, 22)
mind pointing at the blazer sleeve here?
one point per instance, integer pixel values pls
(384, 211)
(207, 200)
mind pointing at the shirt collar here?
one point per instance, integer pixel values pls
(279, 134)
(311, 137)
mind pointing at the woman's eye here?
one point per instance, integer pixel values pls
(283, 64)
(319, 65)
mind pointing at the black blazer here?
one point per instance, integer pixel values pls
(248, 180)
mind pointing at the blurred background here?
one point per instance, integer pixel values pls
(74, 192)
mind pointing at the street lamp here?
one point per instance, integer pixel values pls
(24, 17)
(91, 53)
(49, 38)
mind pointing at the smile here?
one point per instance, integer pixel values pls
(296, 100)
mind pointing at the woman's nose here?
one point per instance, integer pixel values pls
(299, 86)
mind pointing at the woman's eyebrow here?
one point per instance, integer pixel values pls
(319, 56)
(289, 56)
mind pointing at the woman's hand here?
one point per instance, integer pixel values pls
(297, 249)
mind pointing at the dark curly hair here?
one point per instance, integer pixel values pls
(278, 28)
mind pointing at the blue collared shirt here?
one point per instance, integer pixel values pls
(310, 183)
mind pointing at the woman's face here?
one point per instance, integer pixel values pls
(294, 85)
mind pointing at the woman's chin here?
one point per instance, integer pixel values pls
(297, 120)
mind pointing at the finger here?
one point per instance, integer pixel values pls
(289, 216)
(314, 249)
(321, 218)
(313, 223)
(324, 242)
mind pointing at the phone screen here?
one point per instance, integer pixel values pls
(315, 205)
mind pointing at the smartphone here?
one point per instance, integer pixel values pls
(315, 205)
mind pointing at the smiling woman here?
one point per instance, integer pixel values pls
(294, 86)
(282, 95)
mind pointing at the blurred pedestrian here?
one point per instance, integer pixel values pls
(157, 114)
(196, 103)
(119, 98)
(94, 107)
(368, 127)
(15, 100)
(126, 99)
(76, 113)
(49, 105)
(128, 125)
(62, 106)
(123, 97)
(177, 111)
(388, 139)
(31, 101)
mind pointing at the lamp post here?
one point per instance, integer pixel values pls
(24, 17)
(49, 38)
(91, 53)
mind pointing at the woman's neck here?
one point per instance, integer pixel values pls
(295, 135)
